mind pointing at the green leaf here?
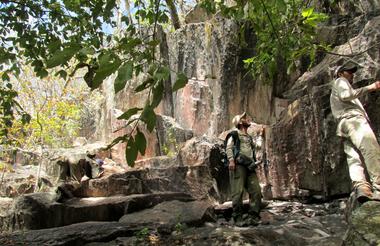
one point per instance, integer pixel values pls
(42, 73)
(131, 152)
(116, 141)
(307, 12)
(126, 115)
(158, 92)
(89, 76)
(62, 56)
(180, 82)
(124, 74)
(54, 45)
(140, 142)
(62, 74)
(25, 118)
(147, 83)
(162, 73)
(108, 64)
(154, 43)
(87, 51)
(125, 19)
(5, 77)
(149, 117)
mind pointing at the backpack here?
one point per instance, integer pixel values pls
(236, 148)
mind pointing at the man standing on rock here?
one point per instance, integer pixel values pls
(360, 144)
(242, 162)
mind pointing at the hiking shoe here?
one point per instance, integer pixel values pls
(376, 195)
(253, 221)
(363, 193)
(237, 220)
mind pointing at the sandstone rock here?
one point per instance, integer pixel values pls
(363, 228)
(22, 180)
(196, 151)
(172, 213)
(195, 181)
(171, 135)
(38, 210)
(158, 162)
(287, 224)
(77, 234)
(196, 15)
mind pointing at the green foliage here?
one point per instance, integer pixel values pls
(180, 82)
(11, 112)
(285, 31)
(142, 234)
(78, 34)
(6, 167)
(83, 34)
(179, 227)
(56, 107)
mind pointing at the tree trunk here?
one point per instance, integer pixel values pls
(173, 14)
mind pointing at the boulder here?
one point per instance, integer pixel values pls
(21, 179)
(196, 151)
(38, 210)
(364, 225)
(195, 181)
(173, 213)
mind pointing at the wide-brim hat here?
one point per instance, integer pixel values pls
(236, 120)
(348, 66)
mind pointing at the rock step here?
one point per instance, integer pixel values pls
(38, 210)
(190, 223)
(193, 180)
(164, 218)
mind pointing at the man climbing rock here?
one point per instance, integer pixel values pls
(242, 162)
(360, 144)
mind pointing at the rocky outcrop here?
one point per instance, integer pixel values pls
(283, 223)
(38, 210)
(305, 153)
(195, 181)
(363, 226)
(173, 213)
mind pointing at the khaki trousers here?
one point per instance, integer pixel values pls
(241, 179)
(360, 141)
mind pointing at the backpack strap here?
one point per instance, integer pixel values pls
(235, 138)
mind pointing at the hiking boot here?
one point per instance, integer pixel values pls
(363, 193)
(237, 220)
(376, 195)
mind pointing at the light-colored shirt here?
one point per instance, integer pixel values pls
(246, 144)
(344, 100)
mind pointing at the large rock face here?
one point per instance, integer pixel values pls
(305, 156)
(303, 148)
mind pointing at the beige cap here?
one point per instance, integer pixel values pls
(236, 120)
